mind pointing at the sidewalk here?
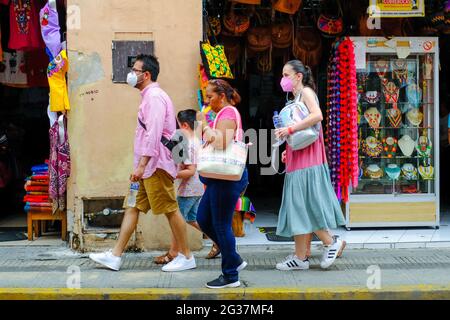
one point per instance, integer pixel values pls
(42, 273)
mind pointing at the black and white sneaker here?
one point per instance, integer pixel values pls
(292, 262)
(221, 283)
(330, 253)
(344, 243)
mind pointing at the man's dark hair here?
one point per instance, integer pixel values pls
(188, 116)
(149, 64)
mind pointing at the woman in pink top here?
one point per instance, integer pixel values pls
(216, 209)
(309, 204)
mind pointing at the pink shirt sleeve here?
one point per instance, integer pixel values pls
(230, 114)
(154, 112)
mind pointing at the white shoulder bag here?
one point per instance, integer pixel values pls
(292, 113)
(228, 164)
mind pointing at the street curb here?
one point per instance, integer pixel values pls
(417, 292)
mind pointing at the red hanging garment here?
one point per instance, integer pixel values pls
(25, 29)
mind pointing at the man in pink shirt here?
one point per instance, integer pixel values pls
(154, 168)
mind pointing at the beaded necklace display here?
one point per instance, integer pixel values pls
(401, 71)
(372, 147)
(342, 120)
(390, 146)
(391, 94)
(381, 68)
(424, 147)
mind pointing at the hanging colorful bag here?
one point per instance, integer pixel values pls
(331, 24)
(214, 58)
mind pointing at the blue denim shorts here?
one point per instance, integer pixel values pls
(188, 207)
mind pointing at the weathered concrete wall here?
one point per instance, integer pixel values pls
(103, 117)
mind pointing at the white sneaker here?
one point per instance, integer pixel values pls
(330, 254)
(180, 263)
(292, 262)
(107, 259)
(242, 266)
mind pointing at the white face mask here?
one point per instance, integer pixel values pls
(132, 79)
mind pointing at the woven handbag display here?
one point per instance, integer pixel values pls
(214, 58)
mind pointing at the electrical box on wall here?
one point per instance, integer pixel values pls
(124, 55)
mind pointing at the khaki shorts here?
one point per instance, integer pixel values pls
(156, 193)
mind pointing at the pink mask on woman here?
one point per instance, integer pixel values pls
(287, 85)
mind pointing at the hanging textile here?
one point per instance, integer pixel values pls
(24, 25)
(56, 73)
(342, 119)
(59, 167)
(50, 29)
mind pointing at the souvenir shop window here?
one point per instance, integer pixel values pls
(396, 125)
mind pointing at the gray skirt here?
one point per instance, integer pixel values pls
(309, 203)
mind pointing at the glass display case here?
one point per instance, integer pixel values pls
(398, 133)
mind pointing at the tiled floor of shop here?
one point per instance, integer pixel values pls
(364, 238)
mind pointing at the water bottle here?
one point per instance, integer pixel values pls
(132, 193)
(278, 123)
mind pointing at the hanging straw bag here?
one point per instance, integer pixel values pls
(228, 164)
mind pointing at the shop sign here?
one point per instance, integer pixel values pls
(396, 8)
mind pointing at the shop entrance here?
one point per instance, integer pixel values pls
(257, 68)
(24, 117)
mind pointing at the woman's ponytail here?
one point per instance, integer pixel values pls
(236, 98)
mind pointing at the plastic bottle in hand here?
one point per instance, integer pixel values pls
(278, 123)
(132, 193)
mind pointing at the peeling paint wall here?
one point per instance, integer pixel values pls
(103, 116)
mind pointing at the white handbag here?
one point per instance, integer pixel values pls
(292, 113)
(228, 164)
